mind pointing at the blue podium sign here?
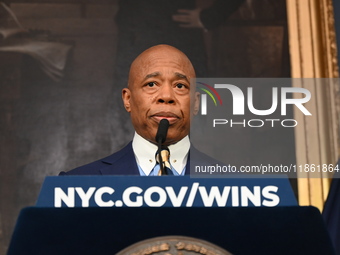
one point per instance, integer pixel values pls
(164, 191)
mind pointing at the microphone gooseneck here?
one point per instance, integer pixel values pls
(160, 139)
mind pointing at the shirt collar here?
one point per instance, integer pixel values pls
(145, 152)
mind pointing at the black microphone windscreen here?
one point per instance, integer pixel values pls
(162, 131)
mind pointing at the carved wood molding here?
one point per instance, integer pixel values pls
(314, 55)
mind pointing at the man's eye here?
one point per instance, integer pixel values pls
(150, 87)
(151, 84)
(180, 86)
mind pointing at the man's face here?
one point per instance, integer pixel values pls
(159, 88)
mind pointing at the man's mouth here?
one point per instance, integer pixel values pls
(171, 117)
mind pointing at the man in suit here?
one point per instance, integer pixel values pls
(158, 88)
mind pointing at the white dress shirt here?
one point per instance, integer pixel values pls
(145, 152)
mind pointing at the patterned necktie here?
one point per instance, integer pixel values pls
(165, 160)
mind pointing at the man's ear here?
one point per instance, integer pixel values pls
(197, 102)
(126, 95)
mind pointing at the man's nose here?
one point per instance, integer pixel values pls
(166, 94)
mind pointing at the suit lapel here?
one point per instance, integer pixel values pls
(124, 162)
(121, 163)
(197, 158)
(187, 167)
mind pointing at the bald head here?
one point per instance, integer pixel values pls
(156, 53)
(159, 88)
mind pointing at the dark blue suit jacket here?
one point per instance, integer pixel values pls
(123, 162)
(331, 211)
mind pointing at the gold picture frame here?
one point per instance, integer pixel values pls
(313, 53)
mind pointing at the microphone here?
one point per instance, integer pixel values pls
(162, 131)
(160, 138)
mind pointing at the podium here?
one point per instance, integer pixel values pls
(239, 230)
(164, 191)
